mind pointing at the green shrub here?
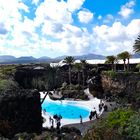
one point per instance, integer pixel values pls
(119, 117)
(117, 125)
(132, 129)
(110, 73)
(7, 84)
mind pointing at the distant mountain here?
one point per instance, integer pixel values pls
(90, 56)
(26, 58)
(8, 59)
(60, 57)
(5, 58)
(45, 58)
(86, 56)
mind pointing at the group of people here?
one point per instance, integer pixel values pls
(93, 114)
(57, 119)
(102, 105)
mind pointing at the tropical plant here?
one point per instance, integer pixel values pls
(124, 55)
(136, 46)
(128, 58)
(69, 60)
(138, 66)
(111, 60)
(84, 63)
(78, 68)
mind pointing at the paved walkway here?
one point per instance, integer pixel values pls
(88, 125)
(86, 91)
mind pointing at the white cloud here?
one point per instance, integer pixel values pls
(117, 38)
(53, 10)
(74, 5)
(53, 19)
(127, 9)
(35, 2)
(52, 32)
(109, 18)
(23, 7)
(85, 16)
(99, 17)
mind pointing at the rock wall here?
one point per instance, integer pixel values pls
(120, 83)
(20, 111)
(95, 85)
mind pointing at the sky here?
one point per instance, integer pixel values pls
(68, 27)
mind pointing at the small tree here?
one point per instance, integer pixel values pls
(69, 60)
(78, 68)
(84, 63)
(111, 60)
(124, 55)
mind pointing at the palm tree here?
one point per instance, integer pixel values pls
(138, 66)
(128, 55)
(69, 60)
(123, 56)
(84, 63)
(136, 45)
(111, 59)
(78, 67)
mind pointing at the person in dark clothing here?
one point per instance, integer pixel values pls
(105, 108)
(100, 107)
(58, 125)
(90, 117)
(81, 119)
(52, 126)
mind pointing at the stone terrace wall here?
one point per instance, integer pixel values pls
(20, 111)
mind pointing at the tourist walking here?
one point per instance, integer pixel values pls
(81, 119)
(52, 121)
(58, 124)
(44, 111)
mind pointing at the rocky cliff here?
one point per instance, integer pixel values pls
(120, 83)
(20, 111)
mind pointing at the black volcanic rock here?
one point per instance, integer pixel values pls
(20, 111)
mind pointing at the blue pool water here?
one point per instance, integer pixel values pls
(67, 110)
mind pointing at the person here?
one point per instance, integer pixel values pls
(50, 119)
(44, 111)
(81, 120)
(52, 123)
(58, 124)
(90, 116)
(105, 108)
(55, 117)
(100, 107)
(94, 112)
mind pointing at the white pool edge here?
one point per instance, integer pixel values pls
(90, 104)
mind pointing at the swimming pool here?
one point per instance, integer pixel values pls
(70, 110)
(67, 110)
